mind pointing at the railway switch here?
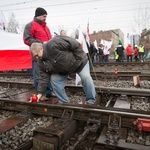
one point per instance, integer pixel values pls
(114, 125)
(142, 125)
(55, 135)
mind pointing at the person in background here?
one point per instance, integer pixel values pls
(129, 52)
(92, 52)
(100, 52)
(106, 52)
(37, 31)
(116, 55)
(62, 32)
(120, 51)
(63, 55)
(141, 53)
(136, 50)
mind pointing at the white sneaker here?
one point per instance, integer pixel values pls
(82, 102)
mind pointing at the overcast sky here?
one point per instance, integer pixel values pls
(69, 14)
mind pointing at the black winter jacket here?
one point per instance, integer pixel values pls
(120, 50)
(62, 55)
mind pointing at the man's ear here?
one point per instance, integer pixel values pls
(41, 49)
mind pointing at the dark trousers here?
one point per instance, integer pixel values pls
(129, 57)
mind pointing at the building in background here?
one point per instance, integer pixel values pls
(145, 40)
(134, 40)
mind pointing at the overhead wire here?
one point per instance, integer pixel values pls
(76, 12)
(70, 3)
(27, 7)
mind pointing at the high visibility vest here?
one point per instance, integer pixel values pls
(116, 55)
(141, 49)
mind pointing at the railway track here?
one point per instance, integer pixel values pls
(122, 75)
(124, 66)
(71, 117)
(121, 66)
(81, 119)
(73, 126)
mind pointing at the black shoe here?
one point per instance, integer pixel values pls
(51, 95)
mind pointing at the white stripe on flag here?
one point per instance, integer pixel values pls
(88, 35)
(81, 40)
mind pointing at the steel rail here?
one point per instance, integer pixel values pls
(79, 88)
(108, 77)
(33, 107)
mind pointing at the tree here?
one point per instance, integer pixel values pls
(142, 20)
(12, 24)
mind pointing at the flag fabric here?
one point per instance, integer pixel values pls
(14, 54)
(107, 46)
(128, 38)
(88, 35)
(82, 41)
(95, 44)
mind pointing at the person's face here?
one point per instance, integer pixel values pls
(39, 54)
(42, 18)
(63, 33)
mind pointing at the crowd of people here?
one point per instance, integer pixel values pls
(98, 54)
(55, 58)
(121, 54)
(136, 53)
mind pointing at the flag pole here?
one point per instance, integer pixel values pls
(94, 71)
(88, 41)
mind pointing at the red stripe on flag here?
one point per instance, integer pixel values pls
(15, 59)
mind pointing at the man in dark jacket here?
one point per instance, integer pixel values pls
(120, 52)
(37, 31)
(56, 59)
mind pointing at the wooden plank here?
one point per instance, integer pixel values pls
(11, 122)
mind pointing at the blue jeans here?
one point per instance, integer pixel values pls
(35, 73)
(58, 82)
(106, 58)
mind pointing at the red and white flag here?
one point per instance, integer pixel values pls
(88, 34)
(82, 41)
(14, 54)
(95, 44)
(128, 38)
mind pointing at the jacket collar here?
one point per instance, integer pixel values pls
(44, 57)
(40, 22)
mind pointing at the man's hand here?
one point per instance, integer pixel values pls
(38, 96)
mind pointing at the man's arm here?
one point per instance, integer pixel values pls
(28, 35)
(44, 78)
